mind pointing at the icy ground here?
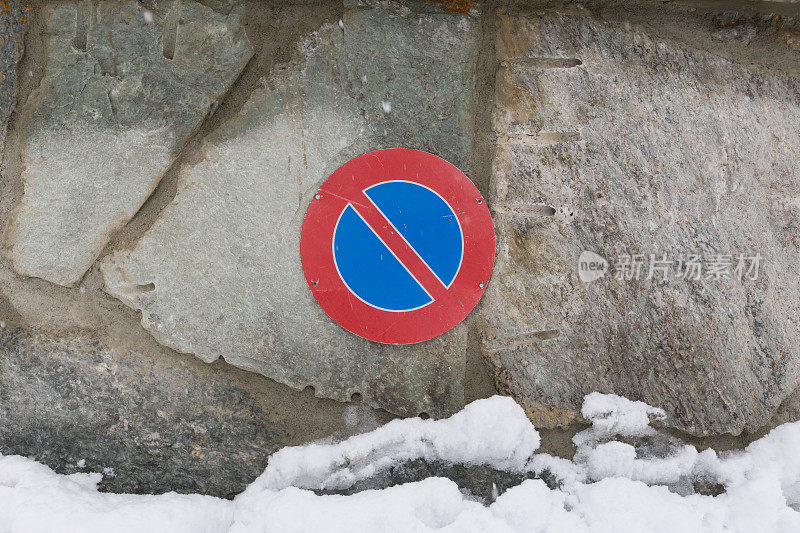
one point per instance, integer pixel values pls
(625, 477)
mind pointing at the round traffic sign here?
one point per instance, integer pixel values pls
(397, 246)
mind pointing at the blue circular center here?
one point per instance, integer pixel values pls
(371, 270)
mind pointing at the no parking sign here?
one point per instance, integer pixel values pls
(397, 246)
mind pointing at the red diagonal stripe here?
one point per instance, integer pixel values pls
(398, 245)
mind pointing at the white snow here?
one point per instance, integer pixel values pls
(494, 431)
(386, 106)
(34, 499)
(147, 16)
(614, 415)
(609, 486)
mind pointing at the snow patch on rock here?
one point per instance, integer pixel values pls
(494, 432)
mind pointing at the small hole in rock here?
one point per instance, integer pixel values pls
(136, 290)
(356, 397)
(423, 415)
(543, 210)
(83, 17)
(169, 34)
(309, 389)
(547, 334)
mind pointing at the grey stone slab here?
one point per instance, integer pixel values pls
(108, 118)
(219, 274)
(613, 141)
(14, 18)
(79, 406)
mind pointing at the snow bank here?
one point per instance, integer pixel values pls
(35, 499)
(494, 431)
(614, 484)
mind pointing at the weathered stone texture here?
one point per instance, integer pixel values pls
(150, 421)
(219, 275)
(613, 141)
(107, 120)
(157, 429)
(14, 17)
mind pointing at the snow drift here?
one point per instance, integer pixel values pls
(625, 477)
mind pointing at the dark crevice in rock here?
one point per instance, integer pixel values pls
(542, 138)
(82, 20)
(30, 69)
(482, 482)
(478, 382)
(483, 138)
(170, 34)
(547, 62)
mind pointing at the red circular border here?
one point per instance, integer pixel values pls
(316, 254)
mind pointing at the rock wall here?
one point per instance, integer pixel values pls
(642, 146)
(160, 156)
(218, 274)
(107, 119)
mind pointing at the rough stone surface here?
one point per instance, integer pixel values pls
(14, 17)
(151, 424)
(107, 120)
(159, 432)
(219, 275)
(616, 142)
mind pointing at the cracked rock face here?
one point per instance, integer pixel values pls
(219, 274)
(614, 142)
(120, 95)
